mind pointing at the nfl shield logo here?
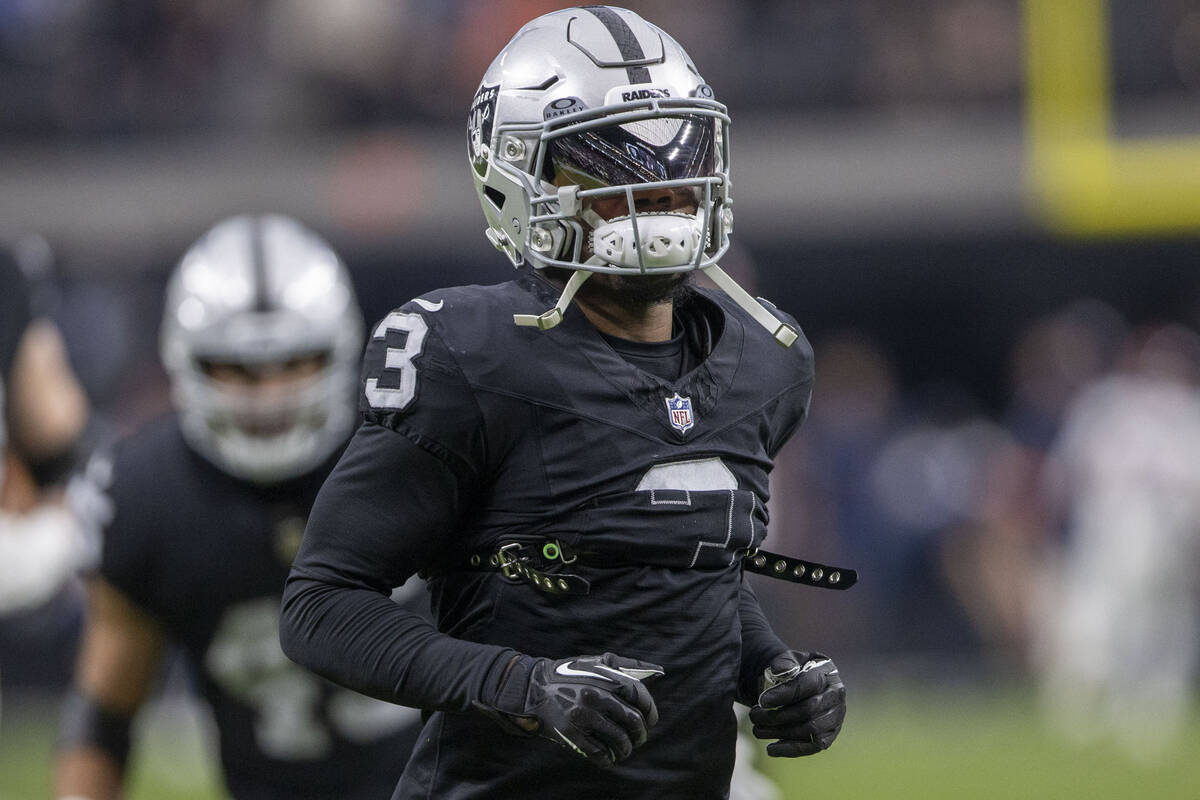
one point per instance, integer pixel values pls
(679, 410)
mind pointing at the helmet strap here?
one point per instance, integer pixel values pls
(548, 319)
(785, 334)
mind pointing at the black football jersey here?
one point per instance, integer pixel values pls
(207, 555)
(478, 434)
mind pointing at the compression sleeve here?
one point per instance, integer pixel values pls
(759, 644)
(337, 619)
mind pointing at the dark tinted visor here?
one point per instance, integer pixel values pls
(643, 151)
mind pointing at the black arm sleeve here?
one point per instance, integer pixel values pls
(382, 515)
(759, 644)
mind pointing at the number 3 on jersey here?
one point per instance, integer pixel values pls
(398, 360)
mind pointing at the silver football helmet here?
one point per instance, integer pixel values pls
(256, 292)
(593, 104)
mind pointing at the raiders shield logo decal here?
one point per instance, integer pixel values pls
(679, 411)
(479, 127)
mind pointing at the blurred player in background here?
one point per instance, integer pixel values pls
(43, 415)
(1121, 626)
(581, 487)
(204, 511)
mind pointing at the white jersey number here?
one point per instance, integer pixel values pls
(400, 359)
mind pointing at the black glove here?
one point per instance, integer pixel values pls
(595, 705)
(803, 704)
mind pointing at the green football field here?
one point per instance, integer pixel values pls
(913, 744)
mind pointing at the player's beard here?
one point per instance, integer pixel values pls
(635, 293)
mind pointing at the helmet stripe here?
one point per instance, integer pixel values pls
(627, 43)
(258, 264)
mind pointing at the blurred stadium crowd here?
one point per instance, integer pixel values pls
(1019, 491)
(134, 67)
(123, 68)
(1057, 538)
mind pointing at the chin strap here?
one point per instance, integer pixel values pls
(783, 333)
(548, 319)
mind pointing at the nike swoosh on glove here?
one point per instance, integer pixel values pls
(596, 706)
(802, 705)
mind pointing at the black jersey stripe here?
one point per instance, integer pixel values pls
(627, 43)
(258, 264)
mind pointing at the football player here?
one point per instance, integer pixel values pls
(261, 338)
(43, 416)
(579, 488)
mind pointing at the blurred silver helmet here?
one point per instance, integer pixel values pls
(253, 292)
(595, 103)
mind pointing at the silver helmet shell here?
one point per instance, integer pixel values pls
(604, 80)
(258, 290)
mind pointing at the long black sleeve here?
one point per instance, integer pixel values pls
(759, 644)
(337, 618)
